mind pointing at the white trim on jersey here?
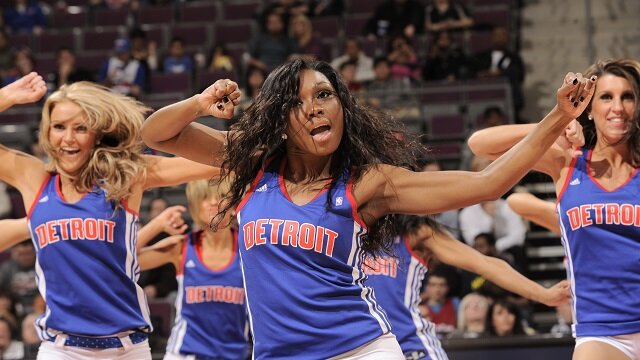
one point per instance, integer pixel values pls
(246, 297)
(425, 330)
(131, 263)
(41, 322)
(569, 268)
(356, 259)
(180, 325)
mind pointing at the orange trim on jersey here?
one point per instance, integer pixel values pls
(596, 181)
(125, 205)
(35, 200)
(354, 205)
(284, 188)
(413, 255)
(234, 252)
(567, 179)
(183, 255)
(253, 186)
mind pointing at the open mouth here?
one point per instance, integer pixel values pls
(320, 130)
(70, 151)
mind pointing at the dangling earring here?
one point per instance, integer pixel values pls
(284, 136)
(590, 117)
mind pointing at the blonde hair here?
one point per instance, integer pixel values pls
(305, 20)
(116, 120)
(462, 320)
(200, 190)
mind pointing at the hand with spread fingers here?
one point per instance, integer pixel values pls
(219, 99)
(575, 93)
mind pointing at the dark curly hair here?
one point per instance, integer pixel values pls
(370, 137)
(628, 69)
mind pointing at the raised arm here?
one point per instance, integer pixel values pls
(165, 251)
(536, 210)
(387, 189)
(455, 253)
(170, 171)
(169, 221)
(28, 89)
(172, 128)
(13, 231)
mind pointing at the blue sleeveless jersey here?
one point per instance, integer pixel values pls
(211, 317)
(397, 282)
(86, 265)
(301, 266)
(601, 237)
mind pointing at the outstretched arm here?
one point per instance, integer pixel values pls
(388, 189)
(28, 89)
(13, 231)
(169, 221)
(172, 130)
(165, 251)
(458, 254)
(536, 210)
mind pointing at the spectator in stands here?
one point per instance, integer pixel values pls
(142, 50)
(6, 54)
(67, 72)
(494, 217)
(8, 307)
(284, 8)
(391, 94)
(348, 74)
(472, 314)
(122, 73)
(23, 63)
(446, 59)
(309, 42)
(326, 7)
(220, 59)
(177, 62)
(449, 219)
(272, 46)
(25, 16)
(353, 53)
(403, 59)
(444, 15)
(501, 61)
(18, 276)
(10, 349)
(30, 336)
(254, 78)
(493, 116)
(504, 319)
(438, 306)
(394, 17)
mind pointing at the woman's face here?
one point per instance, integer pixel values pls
(475, 309)
(316, 124)
(209, 207)
(71, 140)
(256, 79)
(612, 108)
(503, 320)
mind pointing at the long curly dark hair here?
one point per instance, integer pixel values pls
(628, 69)
(370, 137)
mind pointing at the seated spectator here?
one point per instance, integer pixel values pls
(142, 50)
(353, 53)
(449, 219)
(285, 8)
(504, 319)
(30, 336)
(10, 349)
(272, 46)
(177, 62)
(220, 59)
(23, 63)
(18, 276)
(445, 60)
(26, 17)
(309, 43)
(472, 314)
(403, 59)
(67, 72)
(443, 15)
(6, 54)
(8, 309)
(438, 305)
(326, 7)
(393, 17)
(501, 61)
(390, 94)
(252, 84)
(348, 73)
(122, 73)
(493, 116)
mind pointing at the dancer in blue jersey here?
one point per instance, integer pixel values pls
(316, 179)
(82, 212)
(211, 314)
(598, 210)
(397, 280)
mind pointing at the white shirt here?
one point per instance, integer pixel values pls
(507, 226)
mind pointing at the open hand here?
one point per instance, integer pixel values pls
(219, 99)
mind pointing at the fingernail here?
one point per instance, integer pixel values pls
(572, 99)
(575, 104)
(581, 98)
(225, 99)
(220, 106)
(575, 81)
(594, 78)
